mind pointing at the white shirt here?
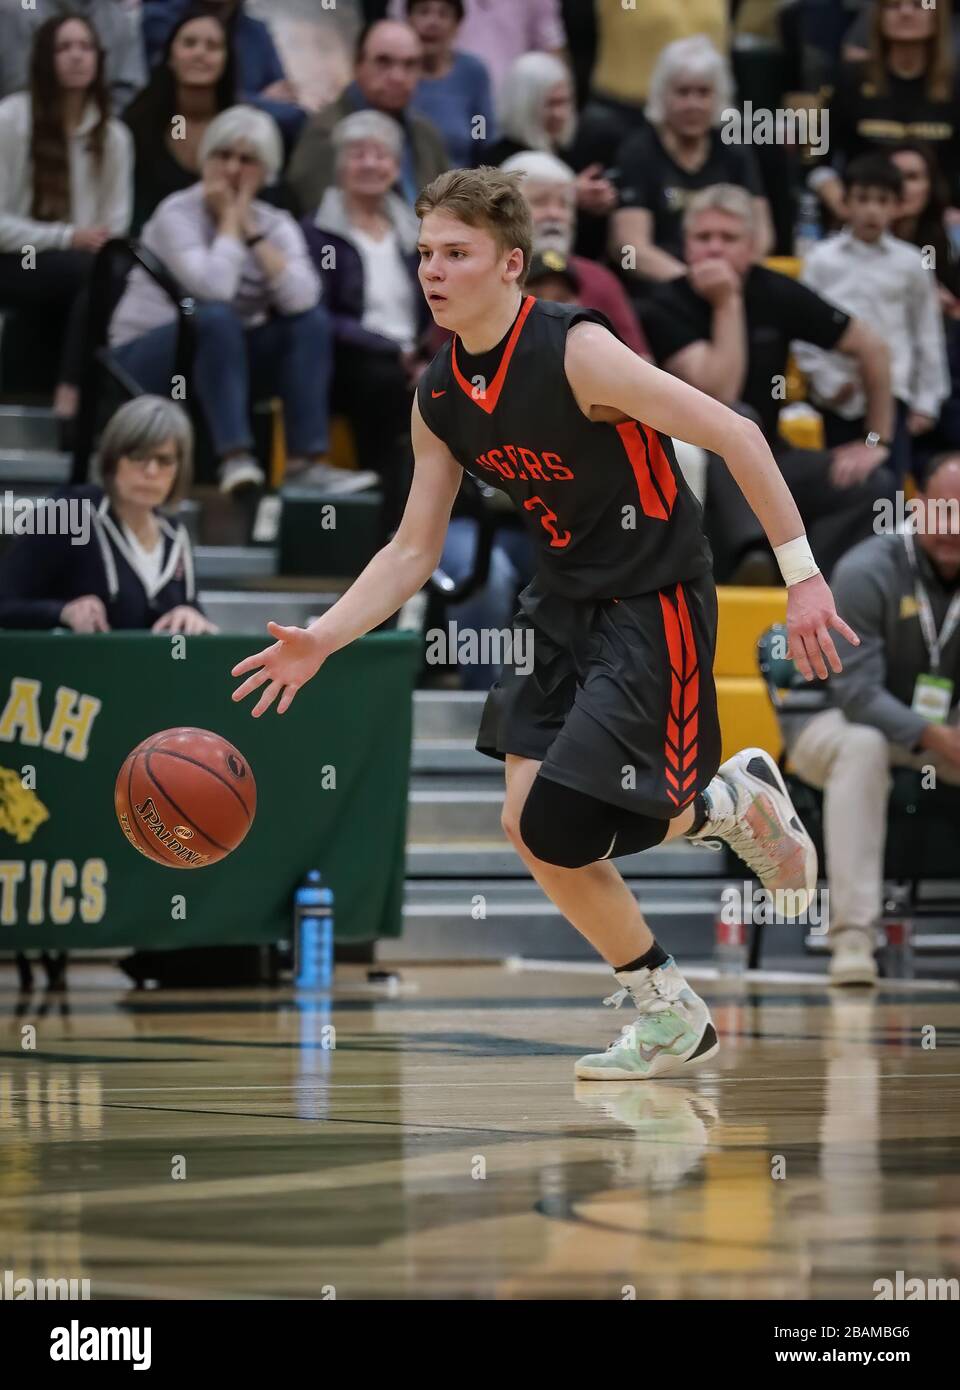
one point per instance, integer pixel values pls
(148, 564)
(886, 284)
(388, 304)
(97, 199)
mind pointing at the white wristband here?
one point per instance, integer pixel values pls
(796, 561)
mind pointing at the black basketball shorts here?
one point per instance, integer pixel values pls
(617, 697)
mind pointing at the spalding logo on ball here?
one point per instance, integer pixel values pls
(185, 798)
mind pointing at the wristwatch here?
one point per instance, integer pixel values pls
(874, 441)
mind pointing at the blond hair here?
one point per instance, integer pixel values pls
(487, 198)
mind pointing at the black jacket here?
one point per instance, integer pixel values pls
(39, 573)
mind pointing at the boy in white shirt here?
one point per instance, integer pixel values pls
(872, 274)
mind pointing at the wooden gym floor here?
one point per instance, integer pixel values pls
(442, 1148)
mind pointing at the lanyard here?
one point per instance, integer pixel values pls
(935, 641)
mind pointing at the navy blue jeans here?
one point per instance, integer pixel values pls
(290, 356)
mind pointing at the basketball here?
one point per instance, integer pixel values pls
(185, 798)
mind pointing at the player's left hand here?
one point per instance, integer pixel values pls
(811, 613)
(184, 619)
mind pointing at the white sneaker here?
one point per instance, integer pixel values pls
(673, 1031)
(852, 961)
(241, 474)
(749, 809)
(325, 477)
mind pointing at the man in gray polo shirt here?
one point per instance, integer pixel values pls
(893, 705)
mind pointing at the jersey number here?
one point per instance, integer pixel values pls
(557, 540)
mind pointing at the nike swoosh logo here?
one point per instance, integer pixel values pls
(648, 1054)
(435, 394)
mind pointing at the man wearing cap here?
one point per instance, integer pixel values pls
(549, 187)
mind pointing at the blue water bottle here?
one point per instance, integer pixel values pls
(313, 934)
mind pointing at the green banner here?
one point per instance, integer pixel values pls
(331, 778)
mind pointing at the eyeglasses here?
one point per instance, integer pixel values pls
(383, 62)
(144, 460)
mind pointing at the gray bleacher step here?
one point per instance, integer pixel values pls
(447, 714)
(237, 562)
(495, 858)
(459, 814)
(34, 466)
(484, 919)
(249, 611)
(24, 427)
(452, 755)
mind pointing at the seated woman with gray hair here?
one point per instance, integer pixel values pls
(678, 153)
(538, 112)
(126, 564)
(363, 240)
(259, 327)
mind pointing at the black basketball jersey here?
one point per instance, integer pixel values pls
(606, 505)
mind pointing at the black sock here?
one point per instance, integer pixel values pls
(701, 814)
(655, 957)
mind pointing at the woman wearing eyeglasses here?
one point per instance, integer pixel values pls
(905, 90)
(123, 563)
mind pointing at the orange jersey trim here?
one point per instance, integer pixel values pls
(651, 468)
(680, 742)
(488, 400)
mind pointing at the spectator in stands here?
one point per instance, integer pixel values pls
(680, 152)
(549, 186)
(170, 117)
(884, 282)
(261, 80)
(65, 175)
(498, 32)
(726, 327)
(921, 222)
(630, 39)
(554, 277)
(127, 565)
(259, 326)
(906, 89)
(363, 240)
(920, 218)
(388, 66)
(856, 38)
(901, 595)
(117, 27)
(454, 91)
(537, 113)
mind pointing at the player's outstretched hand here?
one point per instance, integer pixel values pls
(811, 613)
(287, 665)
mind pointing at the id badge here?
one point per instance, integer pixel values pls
(932, 697)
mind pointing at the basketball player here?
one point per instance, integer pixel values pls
(611, 740)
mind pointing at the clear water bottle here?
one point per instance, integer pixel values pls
(313, 934)
(730, 946)
(807, 229)
(898, 931)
